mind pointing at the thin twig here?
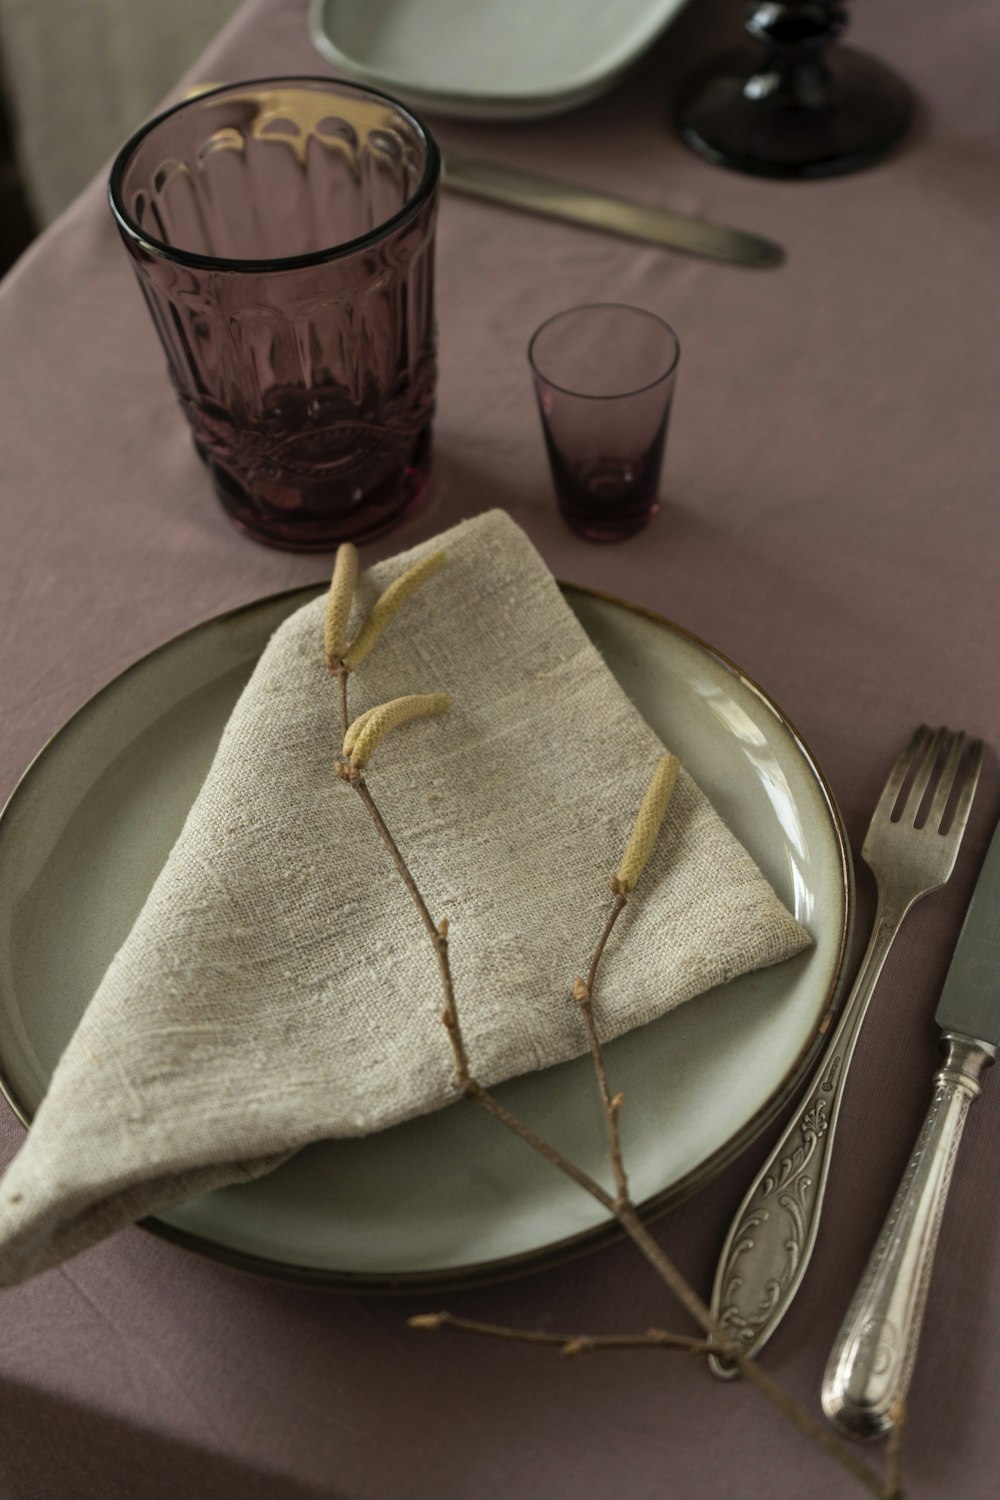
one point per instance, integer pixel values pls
(612, 1105)
(437, 934)
(628, 1217)
(342, 676)
(569, 1343)
(493, 1106)
(616, 910)
(623, 1210)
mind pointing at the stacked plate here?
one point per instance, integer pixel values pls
(510, 60)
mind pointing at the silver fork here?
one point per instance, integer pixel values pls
(771, 1239)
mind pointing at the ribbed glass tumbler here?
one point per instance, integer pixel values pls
(282, 231)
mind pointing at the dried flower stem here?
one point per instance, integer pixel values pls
(569, 1344)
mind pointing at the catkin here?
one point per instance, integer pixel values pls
(338, 604)
(648, 822)
(351, 737)
(378, 722)
(387, 604)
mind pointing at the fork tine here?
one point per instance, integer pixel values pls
(911, 807)
(947, 781)
(897, 775)
(968, 790)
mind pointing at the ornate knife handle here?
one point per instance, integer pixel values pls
(870, 1365)
(771, 1239)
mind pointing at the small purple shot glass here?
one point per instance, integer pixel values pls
(604, 376)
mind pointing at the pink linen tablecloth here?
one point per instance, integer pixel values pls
(831, 522)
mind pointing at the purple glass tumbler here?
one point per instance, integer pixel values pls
(282, 231)
(604, 376)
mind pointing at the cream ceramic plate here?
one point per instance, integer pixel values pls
(488, 59)
(450, 1196)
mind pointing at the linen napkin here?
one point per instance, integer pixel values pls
(278, 986)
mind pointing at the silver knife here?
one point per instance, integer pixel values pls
(869, 1369)
(579, 205)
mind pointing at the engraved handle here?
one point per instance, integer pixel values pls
(771, 1239)
(870, 1365)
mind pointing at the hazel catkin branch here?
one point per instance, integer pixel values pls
(568, 1344)
(371, 727)
(338, 605)
(647, 824)
(352, 730)
(387, 604)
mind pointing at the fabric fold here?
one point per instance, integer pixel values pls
(278, 986)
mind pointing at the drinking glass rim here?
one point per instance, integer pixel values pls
(128, 225)
(644, 312)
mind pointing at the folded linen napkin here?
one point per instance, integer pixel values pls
(278, 986)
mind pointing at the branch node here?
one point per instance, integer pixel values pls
(581, 990)
(575, 1347)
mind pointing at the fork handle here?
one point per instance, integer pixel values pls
(771, 1239)
(872, 1359)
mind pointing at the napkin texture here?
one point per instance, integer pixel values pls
(278, 986)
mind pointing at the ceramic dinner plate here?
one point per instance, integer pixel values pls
(451, 1196)
(488, 59)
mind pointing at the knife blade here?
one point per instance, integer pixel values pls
(579, 205)
(869, 1369)
(970, 1001)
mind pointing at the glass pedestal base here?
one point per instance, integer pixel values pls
(838, 116)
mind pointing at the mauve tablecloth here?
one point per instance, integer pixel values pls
(831, 523)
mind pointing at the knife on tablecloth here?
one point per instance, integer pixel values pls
(869, 1368)
(579, 205)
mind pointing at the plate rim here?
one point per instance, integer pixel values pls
(584, 1242)
(463, 104)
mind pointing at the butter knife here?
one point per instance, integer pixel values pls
(872, 1360)
(578, 205)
